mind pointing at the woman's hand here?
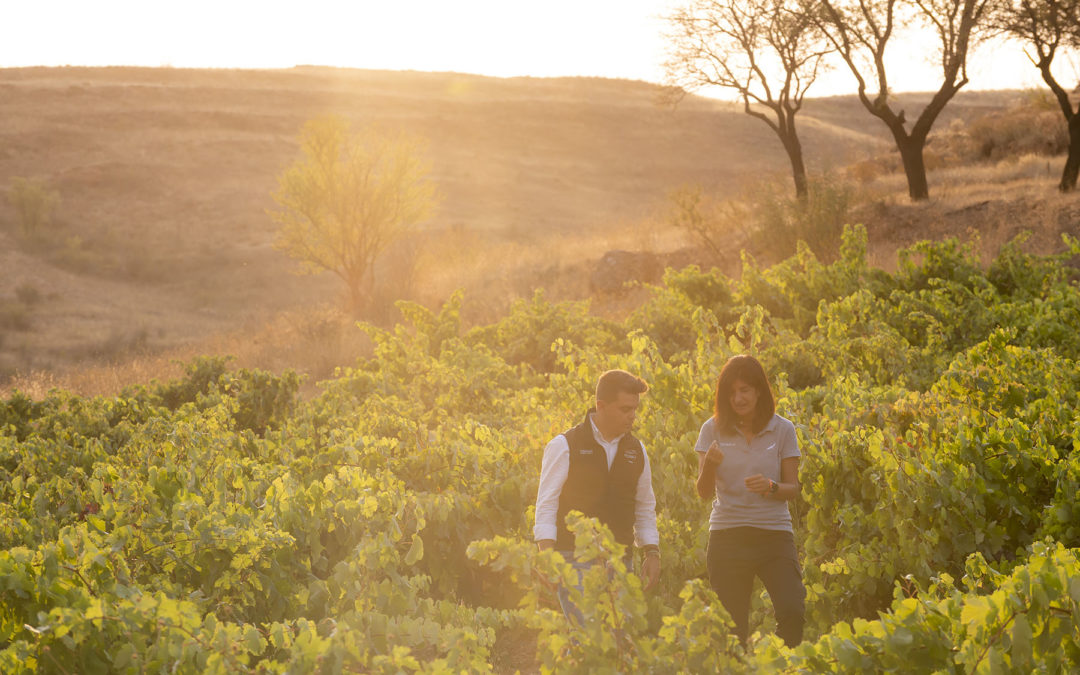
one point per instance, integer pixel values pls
(714, 455)
(758, 484)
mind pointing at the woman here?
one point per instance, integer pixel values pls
(748, 459)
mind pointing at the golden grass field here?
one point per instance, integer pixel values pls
(162, 247)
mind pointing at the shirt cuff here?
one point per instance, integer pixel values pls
(545, 532)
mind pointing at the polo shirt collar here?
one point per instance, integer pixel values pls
(596, 432)
(769, 426)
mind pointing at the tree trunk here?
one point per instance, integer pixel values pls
(1072, 163)
(360, 293)
(911, 152)
(798, 167)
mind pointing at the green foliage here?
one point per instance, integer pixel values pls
(525, 336)
(219, 524)
(258, 400)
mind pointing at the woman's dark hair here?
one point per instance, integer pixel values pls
(749, 370)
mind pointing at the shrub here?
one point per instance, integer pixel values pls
(14, 316)
(526, 335)
(34, 202)
(28, 294)
(768, 216)
(1025, 129)
(707, 220)
(782, 220)
(1028, 128)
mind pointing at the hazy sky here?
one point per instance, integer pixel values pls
(609, 38)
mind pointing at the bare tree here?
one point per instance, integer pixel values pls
(861, 31)
(769, 52)
(1047, 27)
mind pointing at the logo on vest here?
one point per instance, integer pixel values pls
(585, 451)
(630, 455)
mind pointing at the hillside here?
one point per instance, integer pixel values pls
(165, 175)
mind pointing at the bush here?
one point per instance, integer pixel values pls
(782, 220)
(28, 294)
(384, 526)
(1023, 130)
(526, 336)
(1028, 128)
(14, 316)
(708, 221)
(34, 202)
(768, 217)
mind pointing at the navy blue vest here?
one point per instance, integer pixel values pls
(596, 491)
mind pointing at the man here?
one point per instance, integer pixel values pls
(600, 469)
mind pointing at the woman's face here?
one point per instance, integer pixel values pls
(744, 399)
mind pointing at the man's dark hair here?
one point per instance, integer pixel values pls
(613, 382)
(749, 370)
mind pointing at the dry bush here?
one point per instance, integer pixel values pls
(1027, 128)
(868, 170)
(781, 220)
(395, 277)
(1034, 126)
(28, 294)
(14, 315)
(708, 221)
(1023, 130)
(768, 217)
(322, 340)
(34, 203)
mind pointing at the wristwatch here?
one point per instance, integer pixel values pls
(773, 486)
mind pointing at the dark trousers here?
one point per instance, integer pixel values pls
(736, 555)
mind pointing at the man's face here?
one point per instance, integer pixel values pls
(616, 417)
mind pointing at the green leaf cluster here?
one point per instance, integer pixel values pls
(219, 523)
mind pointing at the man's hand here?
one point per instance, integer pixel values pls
(543, 545)
(714, 455)
(650, 570)
(758, 484)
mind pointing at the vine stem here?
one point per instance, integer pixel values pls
(72, 568)
(993, 640)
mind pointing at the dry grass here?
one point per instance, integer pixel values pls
(165, 177)
(313, 342)
(163, 250)
(989, 205)
(1033, 170)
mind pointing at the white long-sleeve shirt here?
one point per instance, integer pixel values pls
(556, 467)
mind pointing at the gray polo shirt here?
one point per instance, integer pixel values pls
(735, 506)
